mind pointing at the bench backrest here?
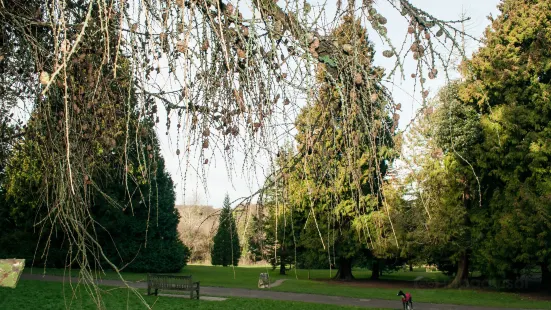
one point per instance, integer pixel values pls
(165, 281)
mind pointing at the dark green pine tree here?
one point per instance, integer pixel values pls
(143, 233)
(123, 182)
(255, 240)
(226, 249)
(509, 84)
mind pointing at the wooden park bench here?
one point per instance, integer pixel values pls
(172, 283)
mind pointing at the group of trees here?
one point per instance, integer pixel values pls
(483, 183)
(200, 224)
(197, 227)
(83, 183)
(81, 92)
(321, 197)
(83, 177)
(476, 193)
(210, 231)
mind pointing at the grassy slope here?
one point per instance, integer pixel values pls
(247, 277)
(49, 296)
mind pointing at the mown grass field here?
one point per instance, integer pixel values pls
(55, 296)
(447, 296)
(247, 277)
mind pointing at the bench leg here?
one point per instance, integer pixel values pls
(197, 294)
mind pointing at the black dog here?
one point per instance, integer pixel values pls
(407, 301)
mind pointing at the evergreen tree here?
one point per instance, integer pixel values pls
(143, 233)
(280, 244)
(226, 250)
(126, 196)
(508, 83)
(436, 224)
(279, 225)
(448, 194)
(137, 231)
(255, 240)
(337, 183)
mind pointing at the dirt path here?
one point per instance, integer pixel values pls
(267, 294)
(277, 282)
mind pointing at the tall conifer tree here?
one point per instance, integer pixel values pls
(226, 250)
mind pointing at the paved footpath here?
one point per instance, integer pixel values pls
(266, 294)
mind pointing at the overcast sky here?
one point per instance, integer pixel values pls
(191, 190)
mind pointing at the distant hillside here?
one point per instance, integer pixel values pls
(198, 225)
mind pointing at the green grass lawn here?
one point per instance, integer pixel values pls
(247, 277)
(50, 296)
(447, 296)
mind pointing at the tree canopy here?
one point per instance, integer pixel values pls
(334, 179)
(480, 158)
(508, 85)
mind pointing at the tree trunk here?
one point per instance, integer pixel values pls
(375, 270)
(282, 267)
(410, 267)
(345, 270)
(545, 276)
(462, 274)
